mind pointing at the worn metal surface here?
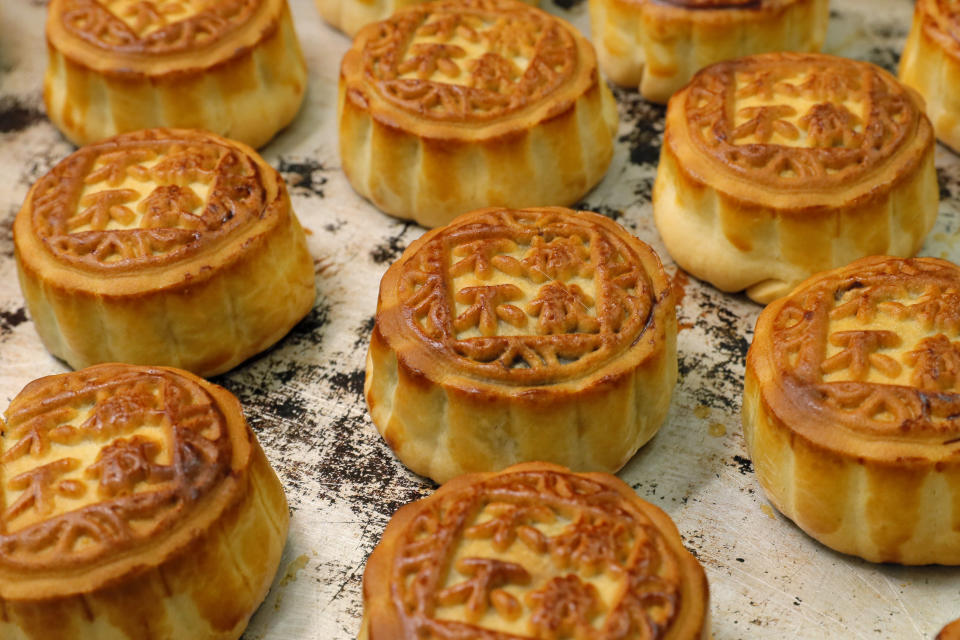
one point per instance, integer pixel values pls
(304, 396)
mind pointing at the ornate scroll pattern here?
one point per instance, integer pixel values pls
(133, 201)
(135, 447)
(155, 27)
(735, 109)
(507, 295)
(941, 21)
(446, 593)
(878, 347)
(420, 60)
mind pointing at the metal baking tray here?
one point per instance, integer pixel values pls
(304, 396)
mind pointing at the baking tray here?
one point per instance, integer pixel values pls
(304, 397)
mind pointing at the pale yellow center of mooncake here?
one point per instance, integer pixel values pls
(506, 288)
(72, 456)
(912, 339)
(503, 593)
(477, 52)
(146, 16)
(806, 111)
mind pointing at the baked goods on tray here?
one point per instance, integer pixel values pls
(517, 335)
(660, 44)
(232, 67)
(849, 410)
(950, 632)
(534, 551)
(350, 16)
(930, 63)
(777, 166)
(456, 105)
(136, 503)
(168, 247)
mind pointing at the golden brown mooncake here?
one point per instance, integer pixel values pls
(136, 503)
(850, 408)
(518, 335)
(660, 44)
(950, 632)
(456, 105)
(534, 551)
(167, 247)
(232, 67)
(777, 166)
(931, 64)
(350, 16)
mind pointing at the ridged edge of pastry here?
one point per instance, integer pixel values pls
(227, 98)
(757, 248)
(659, 47)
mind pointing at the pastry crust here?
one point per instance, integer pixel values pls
(950, 632)
(350, 16)
(931, 64)
(451, 106)
(851, 392)
(660, 44)
(169, 247)
(777, 166)
(534, 551)
(136, 503)
(232, 67)
(518, 335)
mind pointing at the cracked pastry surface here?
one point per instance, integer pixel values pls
(659, 45)
(518, 335)
(171, 247)
(777, 166)
(135, 501)
(534, 551)
(232, 67)
(931, 64)
(453, 106)
(850, 401)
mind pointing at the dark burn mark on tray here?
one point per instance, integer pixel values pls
(351, 383)
(390, 249)
(602, 209)
(6, 233)
(714, 346)
(646, 135)
(945, 183)
(9, 320)
(303, 176)
(363, 333)
(644, 189)
(16, 115)
(885, 57)
(360, 467)
(567, 4)
(311, 328)
(744, 465)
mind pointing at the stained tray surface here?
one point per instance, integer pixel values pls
(304, 397)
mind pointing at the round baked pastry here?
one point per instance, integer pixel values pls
(233, 67)
(931, 64)
(167, 247)
(950, 632)
(533, 552)
(455, 105)
(518, 335)
(350, 16)
(849, 409)
(136, 503)
(777, 166)
(660, 44)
